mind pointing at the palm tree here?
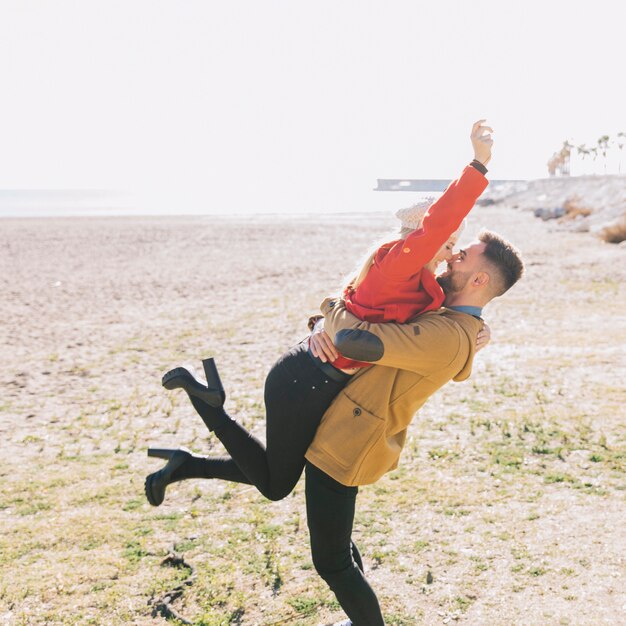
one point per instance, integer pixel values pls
(603, 146)
(564, 155)
(583, 151)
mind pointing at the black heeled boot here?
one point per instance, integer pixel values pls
(185, 378)
(157, 482)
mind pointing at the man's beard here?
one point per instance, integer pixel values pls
(453, 282)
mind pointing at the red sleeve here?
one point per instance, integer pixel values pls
(408, 256)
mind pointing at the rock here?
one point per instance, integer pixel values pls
(580, 227)
(549, 214)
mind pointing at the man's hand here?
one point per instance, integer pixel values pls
(482, 142)
(483, 337)
(322, 347)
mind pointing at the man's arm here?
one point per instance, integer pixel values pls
(324, 349)
(424, 346)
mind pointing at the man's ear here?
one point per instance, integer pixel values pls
(481, 279)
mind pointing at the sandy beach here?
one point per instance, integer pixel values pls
(508, 505)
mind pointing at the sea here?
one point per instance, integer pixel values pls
(22, 203)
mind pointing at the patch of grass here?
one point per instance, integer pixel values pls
(33, 507)
(32, 439)
(479, 564)
(558, 477)
(134, 551)
(186, 544)
(92, 543)
(455, 511)
(133, 505)
(267, 532)
(395, 619)
(443, 453)
(305, 605)
(506, 456)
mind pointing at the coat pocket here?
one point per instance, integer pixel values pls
(350, 433)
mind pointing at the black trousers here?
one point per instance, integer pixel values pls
(330, 508)
(297, 394)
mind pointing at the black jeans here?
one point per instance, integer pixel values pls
(297, 394)
(330, 510)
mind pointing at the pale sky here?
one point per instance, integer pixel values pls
(280, 106)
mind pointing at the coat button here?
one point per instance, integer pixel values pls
(356, 412)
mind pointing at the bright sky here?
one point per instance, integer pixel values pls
(288, 105)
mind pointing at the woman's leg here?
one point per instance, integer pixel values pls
(330, 515)
(297, 394)
(222, 467)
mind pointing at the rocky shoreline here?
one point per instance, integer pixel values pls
(594, 204)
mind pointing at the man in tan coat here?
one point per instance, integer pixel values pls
(362, 434)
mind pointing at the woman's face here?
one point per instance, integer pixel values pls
(446, 252)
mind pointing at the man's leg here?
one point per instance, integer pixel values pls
(330, 515)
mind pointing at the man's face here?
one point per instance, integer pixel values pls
(462, 268)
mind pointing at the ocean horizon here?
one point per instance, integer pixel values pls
(96, 203)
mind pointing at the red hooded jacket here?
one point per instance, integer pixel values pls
(397, 287)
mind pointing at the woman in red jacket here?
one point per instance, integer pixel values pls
(396, 284)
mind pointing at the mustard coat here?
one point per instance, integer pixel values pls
(362, 433)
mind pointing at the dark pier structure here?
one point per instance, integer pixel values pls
(424, 184)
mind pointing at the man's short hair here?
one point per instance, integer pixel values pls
(505, 261)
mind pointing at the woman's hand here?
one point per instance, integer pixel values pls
(481, 142)
(322, 347)
(483, 337)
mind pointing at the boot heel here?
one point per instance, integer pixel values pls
(157, 482)
(161, 453)
(213, 378)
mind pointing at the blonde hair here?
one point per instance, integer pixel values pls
(410, 218)
(358, 274)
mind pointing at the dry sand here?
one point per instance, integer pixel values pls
(508, 507)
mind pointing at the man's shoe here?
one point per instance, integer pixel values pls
(156, 483)
(185, 378)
